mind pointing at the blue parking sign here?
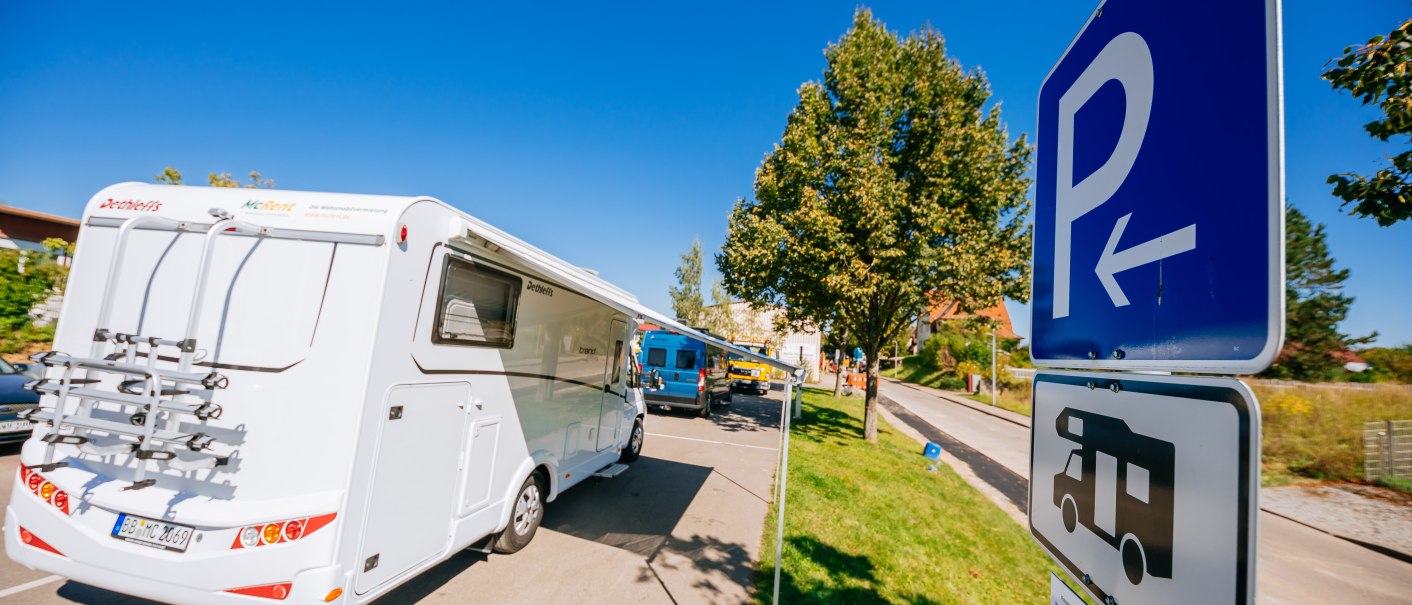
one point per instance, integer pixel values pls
(1159, 212)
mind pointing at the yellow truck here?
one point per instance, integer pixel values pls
(750, 376)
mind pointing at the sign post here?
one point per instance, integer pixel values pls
(1159, 248)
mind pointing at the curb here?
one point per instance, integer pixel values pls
(984, 409)
(1382, 550)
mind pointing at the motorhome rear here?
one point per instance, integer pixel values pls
(310, 397)
(693, 373)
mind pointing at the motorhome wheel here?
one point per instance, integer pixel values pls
(634, 448)
(1134, 560)
(705, 411)
(524, 518)
(1071, 514)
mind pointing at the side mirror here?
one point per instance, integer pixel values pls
(27, 369)
(654, 381)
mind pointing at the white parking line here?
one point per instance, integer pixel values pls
(715, 442)
(28, 585)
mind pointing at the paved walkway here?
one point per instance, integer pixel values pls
(1297, 564)
(682, 526)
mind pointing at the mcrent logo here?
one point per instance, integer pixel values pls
(138, 205)
(268, 206)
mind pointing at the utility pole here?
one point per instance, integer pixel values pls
(992, 368)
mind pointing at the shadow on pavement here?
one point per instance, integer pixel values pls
(706, 554)
(748, 413)
(428, 582)
(83, 593)
(635, 511)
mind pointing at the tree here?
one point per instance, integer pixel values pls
(686, 295)
(172, 176)
(1389, 363)
(720, 316)
(1314, 304)
(1378, 72)
(892, 179)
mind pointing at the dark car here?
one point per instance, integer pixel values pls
(13, 400)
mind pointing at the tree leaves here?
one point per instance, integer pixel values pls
(1380, 72)
(1315, 304)
(893, 182)
(686, 295)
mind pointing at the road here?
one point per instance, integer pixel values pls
(683, 525)
(1296, 565)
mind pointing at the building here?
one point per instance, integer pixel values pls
(930, 321)
(798, 348)
(22, 229)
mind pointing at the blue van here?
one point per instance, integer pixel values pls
(693, 373)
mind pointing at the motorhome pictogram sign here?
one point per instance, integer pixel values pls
(1144, 487)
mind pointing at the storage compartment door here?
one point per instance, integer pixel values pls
(414, 480)
(479, 465)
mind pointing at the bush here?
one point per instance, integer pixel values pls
(20, 291)
(1318, 432)
(966, 368)
(945, 351)
(1388, 364)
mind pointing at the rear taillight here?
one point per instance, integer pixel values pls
(44, 489)
(29, 538)
(701, 381)
(279, 532)
(269, 591)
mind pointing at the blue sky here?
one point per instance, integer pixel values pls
(609, 135)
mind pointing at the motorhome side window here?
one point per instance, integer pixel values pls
(477, 306)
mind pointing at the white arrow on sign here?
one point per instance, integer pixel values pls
(1171, 244)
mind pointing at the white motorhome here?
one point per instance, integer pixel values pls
(312, 397)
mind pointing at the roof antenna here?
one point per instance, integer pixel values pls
(221, 213)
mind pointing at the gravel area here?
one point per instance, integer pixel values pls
(1365, 513)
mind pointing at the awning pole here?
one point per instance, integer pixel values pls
(783, 477)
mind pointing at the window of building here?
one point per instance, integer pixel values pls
(477, 306)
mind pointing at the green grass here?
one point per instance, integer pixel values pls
(868, 523)
(913, 370)
(1317, 434)
(1398, 484)
(1015, 399)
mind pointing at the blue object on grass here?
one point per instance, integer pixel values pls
(932, 451)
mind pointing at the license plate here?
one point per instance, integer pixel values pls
(12, 426)
(152, 533)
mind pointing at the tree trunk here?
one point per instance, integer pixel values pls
(838, 381)
(870, 402)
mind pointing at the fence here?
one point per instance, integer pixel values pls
(1387, 450)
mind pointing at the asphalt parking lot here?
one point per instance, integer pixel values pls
(683, 525)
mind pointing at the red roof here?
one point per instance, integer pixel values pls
(947, 310)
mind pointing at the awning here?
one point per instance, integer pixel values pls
(479, 235)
